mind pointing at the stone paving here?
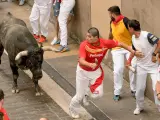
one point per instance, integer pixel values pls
(25, 105)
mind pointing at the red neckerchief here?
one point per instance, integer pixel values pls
(119, 18)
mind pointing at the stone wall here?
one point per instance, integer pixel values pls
(81, 22)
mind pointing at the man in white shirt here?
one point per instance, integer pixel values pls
(149, 45)
(40, 13)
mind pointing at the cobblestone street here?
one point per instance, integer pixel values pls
(25, 105)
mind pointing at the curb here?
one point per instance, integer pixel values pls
(66, 86)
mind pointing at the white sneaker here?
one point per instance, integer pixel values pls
(55, 41)
(137, 111)
(85, 100)
(73, 114)
(21, 2)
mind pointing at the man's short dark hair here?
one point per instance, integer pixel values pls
(135, 25)
(115, 9)
(1, 94)
(94, 32)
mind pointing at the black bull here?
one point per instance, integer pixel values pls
(22, 48)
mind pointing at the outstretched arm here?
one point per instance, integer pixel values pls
(135, 53)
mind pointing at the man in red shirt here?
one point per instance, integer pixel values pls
(89, 74)
(1, 105)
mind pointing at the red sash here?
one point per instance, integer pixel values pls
(98, 81)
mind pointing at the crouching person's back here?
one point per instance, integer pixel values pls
(2, 110)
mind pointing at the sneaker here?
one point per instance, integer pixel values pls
(55, 42)
(137, 111)
(42, 39)
(86, 100)
(73, 114)
(63, 49)
(133, 93)
(116, 97)
(21, 2)
(36, 36)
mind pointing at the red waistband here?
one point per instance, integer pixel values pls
(98, 81)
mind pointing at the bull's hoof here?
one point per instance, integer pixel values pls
(39, 94)
(15, 90)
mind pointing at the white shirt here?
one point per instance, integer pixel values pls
(43, 2)
(142, 44)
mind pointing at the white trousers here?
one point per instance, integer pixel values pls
(66, 7)
(83, 80)
(141, 77)
(132, 76)
(40, 14)
(119, 57)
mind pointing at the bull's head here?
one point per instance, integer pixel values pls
(34, 59)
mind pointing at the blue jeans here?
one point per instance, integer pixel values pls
(56, 9)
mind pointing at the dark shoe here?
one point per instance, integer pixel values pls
(116, 97)
(133, 93)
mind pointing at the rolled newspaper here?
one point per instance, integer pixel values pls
(132, 69)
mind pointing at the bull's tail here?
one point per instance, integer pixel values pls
(10, 14)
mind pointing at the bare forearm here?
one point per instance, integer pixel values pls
(131, 56)
(130, 59)
(126, 47)
(83, 62)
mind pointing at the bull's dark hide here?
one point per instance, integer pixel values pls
(20, 44)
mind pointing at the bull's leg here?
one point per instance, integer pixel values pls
(14, 69)
(37, 88)
(1, 51)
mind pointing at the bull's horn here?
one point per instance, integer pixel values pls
(20, 54)
(49, 48)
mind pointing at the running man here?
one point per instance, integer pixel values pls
(149, 45)
(89, 74)
(119, 31)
